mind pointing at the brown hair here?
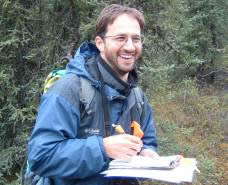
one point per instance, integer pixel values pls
(111, 12)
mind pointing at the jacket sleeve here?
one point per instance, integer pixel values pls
(54, 149)
(148, 127)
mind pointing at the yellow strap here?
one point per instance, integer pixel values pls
(50, 81)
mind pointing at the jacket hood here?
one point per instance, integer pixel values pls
(77, 63)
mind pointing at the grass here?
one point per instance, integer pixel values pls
(191, 122)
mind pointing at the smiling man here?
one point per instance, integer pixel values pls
(73, 139)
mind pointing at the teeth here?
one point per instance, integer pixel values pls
(126, 56)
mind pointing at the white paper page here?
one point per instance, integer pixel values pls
(163, 162)
(182, 173)
(186, 169)
(146, 162)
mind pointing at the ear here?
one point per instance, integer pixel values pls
(99, 43)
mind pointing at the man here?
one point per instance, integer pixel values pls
(73, 142)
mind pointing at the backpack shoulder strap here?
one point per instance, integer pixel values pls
(139, 99)
(87, 93)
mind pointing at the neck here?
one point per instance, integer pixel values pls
(124, 77)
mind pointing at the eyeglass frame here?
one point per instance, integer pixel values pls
(115, 38)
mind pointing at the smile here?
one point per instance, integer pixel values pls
(126, 56)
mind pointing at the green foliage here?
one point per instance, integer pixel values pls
(208, 169)
(34, 36)
(167, 140)
(190, 122)
(185, 39)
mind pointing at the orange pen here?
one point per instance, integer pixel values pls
(136, 129)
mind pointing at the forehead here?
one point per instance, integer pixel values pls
(124, 24)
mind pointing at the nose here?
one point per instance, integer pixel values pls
(129, 45)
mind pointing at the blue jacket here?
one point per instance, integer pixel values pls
(66, 145)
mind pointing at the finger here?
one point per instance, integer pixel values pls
(134, 139)
(132, 146)
(132, 152)
(149, 153)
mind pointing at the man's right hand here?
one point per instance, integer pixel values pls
(122, 146)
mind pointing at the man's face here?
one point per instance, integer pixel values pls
(122, 46)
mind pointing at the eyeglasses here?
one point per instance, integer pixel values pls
(122, 39)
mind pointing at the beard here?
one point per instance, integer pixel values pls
(122, 62)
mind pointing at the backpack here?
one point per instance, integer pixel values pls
(87, 93)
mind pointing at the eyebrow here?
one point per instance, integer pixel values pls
(122, 34)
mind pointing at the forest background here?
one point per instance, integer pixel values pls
(183, 71)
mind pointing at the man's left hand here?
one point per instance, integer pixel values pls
(149, 153)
